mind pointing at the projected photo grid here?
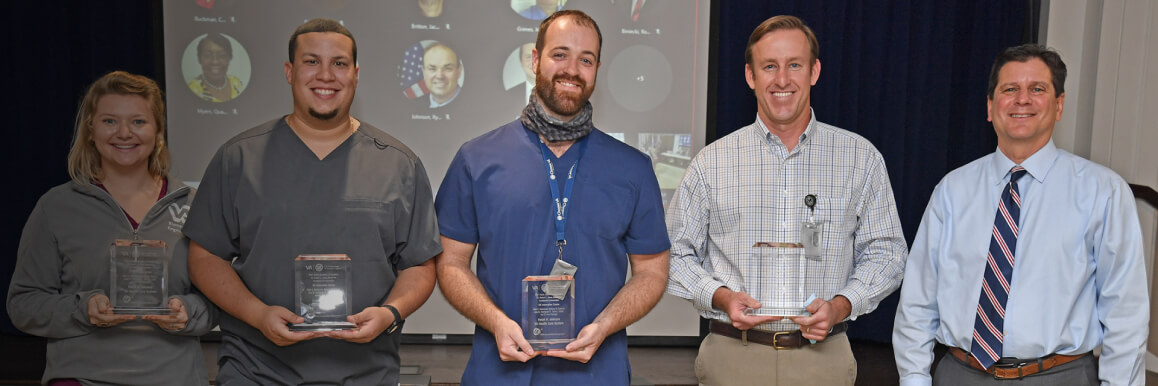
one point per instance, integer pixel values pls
(436, 73)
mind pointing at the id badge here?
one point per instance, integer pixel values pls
(558, 289)
(810, 236)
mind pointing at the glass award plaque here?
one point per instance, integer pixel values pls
(138, 277)
(548, 311)
(783, 294)
(322, 292)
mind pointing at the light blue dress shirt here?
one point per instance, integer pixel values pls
(1078, 276)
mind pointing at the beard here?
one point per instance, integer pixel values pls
(556, 102)
(323, 116)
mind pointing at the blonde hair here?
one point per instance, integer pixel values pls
(84, 161)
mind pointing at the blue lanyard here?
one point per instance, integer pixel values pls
(561, 202)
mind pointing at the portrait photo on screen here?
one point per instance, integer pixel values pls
(431, 74)
(518, 77)
(537, 9)
(630, 9)
(216, 67)
(430, 8)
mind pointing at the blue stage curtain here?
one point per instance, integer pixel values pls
(56, 49)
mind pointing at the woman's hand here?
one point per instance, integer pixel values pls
(100, 312)
(176, 320)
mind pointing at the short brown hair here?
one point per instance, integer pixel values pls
(84, 161)
(1022, 54)
(782, 22)
(580, 19)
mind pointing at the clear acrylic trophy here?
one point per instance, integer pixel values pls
(549, 311)
(784, 294)
(138, 277)
(322, 292)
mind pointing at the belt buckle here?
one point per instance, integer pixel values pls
(776, 340)
(1009, 364)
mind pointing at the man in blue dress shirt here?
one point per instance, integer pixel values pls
(549, 189)
(1068, 227)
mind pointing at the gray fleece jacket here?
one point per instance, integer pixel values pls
(63, 260)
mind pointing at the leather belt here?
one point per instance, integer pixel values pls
(780, 340)
(1013, 368)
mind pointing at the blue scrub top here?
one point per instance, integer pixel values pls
(495, 194)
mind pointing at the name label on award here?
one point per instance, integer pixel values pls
(549, 311)
(138, 277)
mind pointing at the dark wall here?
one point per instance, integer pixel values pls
(910, 76)
(56, 49)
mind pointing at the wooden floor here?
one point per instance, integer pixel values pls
(22, 362)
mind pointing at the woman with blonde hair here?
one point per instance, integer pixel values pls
(120, 190)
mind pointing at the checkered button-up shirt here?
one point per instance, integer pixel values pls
(747, 188)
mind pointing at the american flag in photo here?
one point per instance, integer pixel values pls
(410, 72)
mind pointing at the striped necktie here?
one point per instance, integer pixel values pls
(989, 326)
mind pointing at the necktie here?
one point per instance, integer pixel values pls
(988, 328)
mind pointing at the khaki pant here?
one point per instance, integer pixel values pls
(725, 361)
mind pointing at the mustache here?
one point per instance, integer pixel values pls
(571, 79)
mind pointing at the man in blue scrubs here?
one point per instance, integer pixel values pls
(603, 215)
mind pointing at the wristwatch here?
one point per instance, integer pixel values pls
(397, 319)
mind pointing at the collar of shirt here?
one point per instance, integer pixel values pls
(434, 104)
(773, 140)
(1037, 165)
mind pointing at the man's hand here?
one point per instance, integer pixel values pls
(736, 304)
(176, 320)
(100, 312)
(370, 323)
(583, 348)
(825, 315)
(272, 323)
(512, 345)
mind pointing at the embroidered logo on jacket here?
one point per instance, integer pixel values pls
(177, 214)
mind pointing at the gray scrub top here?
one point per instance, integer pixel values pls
(266, 198)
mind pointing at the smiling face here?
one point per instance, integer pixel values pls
(566, 68)
(1024, 107)
(323, 75)
(123, 131)
(782, 77)
(214, 60)
(441, 70)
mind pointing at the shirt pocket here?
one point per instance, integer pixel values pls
(367, 221)
(840, 218)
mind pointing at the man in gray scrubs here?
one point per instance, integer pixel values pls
(316, 181)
